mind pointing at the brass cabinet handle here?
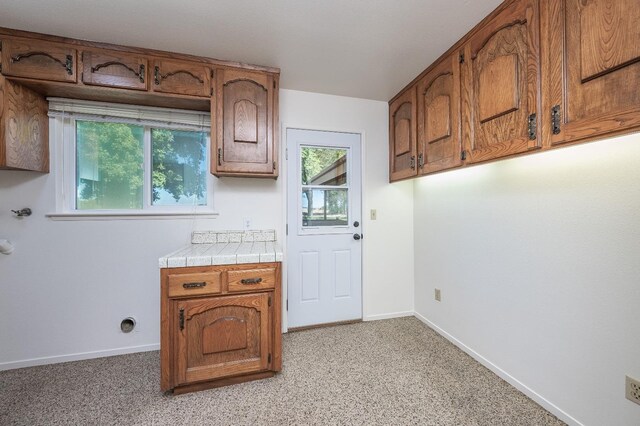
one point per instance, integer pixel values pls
(194, 285)
(251, 281)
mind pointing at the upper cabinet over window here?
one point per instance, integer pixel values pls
(501, 84)
(402, 136)
(114, 69)
(594, 70)
(38, 60)
(181, 78)
(439, 140)
(242, 124)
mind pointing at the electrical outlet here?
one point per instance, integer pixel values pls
(246, 223)
(374, 214)
(633, 390)
(438, 295)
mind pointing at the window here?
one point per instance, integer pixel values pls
(124, 160)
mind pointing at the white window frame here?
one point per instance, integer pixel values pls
(63, 115)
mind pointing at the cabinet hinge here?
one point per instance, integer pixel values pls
(412, 162)
(463, 155)
(421, 160)
(211, 92)
(555, 119)
(274, 165)
(461, 58)
(219, 156)
(274, 84)
(532, 127)
(269, 301)
(181, 318)
(269, 358)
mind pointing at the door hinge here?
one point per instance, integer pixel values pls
(286, 229)
(463, 155)
(286, 153)
(269, 359)
(287, 303)
(269, 303)
(555, 119)
(219, 156)
(461, 58)
(532, 127)
(181, 318)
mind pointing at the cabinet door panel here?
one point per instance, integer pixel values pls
(244, 123)
(181, 78)
(24, 130)
(111, 69)
(501, 84)
(439, 117)
(38, 60)
(222, 336)
(594, 71)
(402, 136)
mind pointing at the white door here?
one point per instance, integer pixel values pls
(324, 227)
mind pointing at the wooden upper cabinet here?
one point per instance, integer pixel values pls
(221, 336)
(243, 124)
(181, 78)
(501, 84)
(402, 136)
(594, 68)
(114, 69)
(439, 141)
(39, 60)
(24, 128)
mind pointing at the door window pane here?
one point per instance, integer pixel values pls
(324, 207)
(179, 174)
(109, 165)
(324, 166)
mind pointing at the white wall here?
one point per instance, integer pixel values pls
(388, 241)
(538, 259)
(68, 284)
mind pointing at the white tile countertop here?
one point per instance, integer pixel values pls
(225, 248)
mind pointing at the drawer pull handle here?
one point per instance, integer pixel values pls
(194, 285)
(250, 281)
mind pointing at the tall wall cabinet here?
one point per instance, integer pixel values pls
(533, 75)
(242, 98)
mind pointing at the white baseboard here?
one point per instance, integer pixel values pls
(546, 404)
(76, 357)
(388, 316)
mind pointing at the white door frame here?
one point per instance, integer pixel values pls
(285, 203)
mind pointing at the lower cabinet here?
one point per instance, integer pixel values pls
(226, 331)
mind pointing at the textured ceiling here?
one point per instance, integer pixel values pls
(361, 48)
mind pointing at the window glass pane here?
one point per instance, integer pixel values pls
(109, 165)
(179, 175)
(324, 166)
(324, 207)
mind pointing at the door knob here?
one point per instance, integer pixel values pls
(356, 237)
(356, 224)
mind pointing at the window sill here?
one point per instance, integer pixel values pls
(131, 215)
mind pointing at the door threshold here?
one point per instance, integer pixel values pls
(324, 325)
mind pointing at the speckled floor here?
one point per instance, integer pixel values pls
(392, 372)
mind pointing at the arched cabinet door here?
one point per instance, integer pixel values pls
(501, 84)
(439, 141)
(594, 70)
(402, 136)
(221, 336)
(243, 124)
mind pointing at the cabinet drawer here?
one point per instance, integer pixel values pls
(252, 279)
(102, 68)
(39, 60)
(194, 284)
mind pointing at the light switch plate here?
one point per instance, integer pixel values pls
(438, 295)
(374, 214)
